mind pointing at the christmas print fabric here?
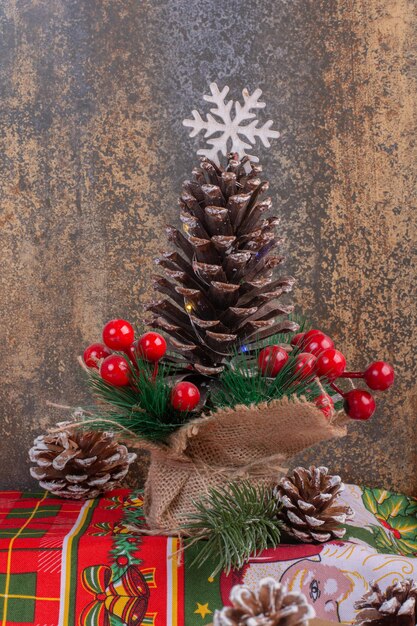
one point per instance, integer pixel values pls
(70, 563)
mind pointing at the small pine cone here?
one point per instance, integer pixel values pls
(77, 463)
(310, 511)
(395, 607)
(270, 605)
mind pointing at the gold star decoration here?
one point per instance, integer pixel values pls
(203, 610)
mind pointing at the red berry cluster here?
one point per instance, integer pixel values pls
(317, 356)
(118, 335)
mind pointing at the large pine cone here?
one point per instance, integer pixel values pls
(310, 509)
(220, 287)
(79, 464)
(270, 605)
(395, 607)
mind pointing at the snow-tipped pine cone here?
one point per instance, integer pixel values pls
(270, 605)
(397, 606)
(78, 463)
(311, 511)
(222, 268)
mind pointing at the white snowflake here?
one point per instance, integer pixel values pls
(230, 131)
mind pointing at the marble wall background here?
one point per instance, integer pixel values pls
(94, 152)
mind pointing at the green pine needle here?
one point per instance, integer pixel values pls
(242, 382)
(236, 522)
(144, 409)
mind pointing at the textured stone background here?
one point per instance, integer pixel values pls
(93, 154)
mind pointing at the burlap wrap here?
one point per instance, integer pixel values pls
(241, 443)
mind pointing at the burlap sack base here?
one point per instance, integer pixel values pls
(254, 443)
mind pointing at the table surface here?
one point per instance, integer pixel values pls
(75, 563)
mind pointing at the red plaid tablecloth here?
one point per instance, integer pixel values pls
(77, 563)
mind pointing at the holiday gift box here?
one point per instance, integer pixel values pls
(68, 562)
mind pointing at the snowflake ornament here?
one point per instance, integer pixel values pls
(230, 131)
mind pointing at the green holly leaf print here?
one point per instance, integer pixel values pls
(381, 495)
(406, 526)
(397, 516)
(407, 547)
(384, 504)
(382, 542)
(369, 500)
(412, 507)
(392, 506)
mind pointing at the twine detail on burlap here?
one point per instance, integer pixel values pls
(244, 442)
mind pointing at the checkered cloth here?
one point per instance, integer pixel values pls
(77, 563)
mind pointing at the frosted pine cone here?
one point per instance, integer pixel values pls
(79, 464)
(270, 605)
(220, 282)
(395, 607)
(310, 510)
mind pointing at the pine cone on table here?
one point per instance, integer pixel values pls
(77, 463)
(220, 288)
(270, 605)
(394, 607)
(310, 509)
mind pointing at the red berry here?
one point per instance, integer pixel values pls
(379, 375)
(271, 360)
(318, 343)
(95, 353)
(133, 351)
(115, 370)
(118, 334)
(310, 333)
(359, 404)
(185, 396)
(122, 560)
(325, 404)
(330, 364)
(297, 339)
(152, 346)
(305, 364)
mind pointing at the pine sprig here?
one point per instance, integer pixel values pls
(144, 409)
(236, 523)
(243, 383)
